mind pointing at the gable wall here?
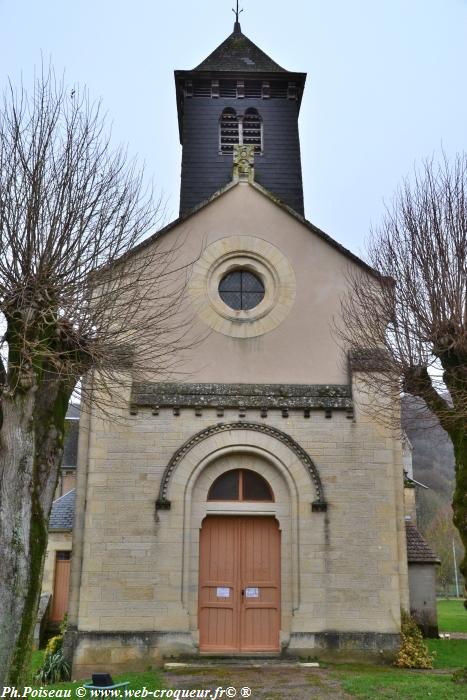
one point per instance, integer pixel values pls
(301, 349)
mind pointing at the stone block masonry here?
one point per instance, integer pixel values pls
(342, 577)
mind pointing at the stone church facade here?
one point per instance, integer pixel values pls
(254, 508)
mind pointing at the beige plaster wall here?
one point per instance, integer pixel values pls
(301, 348)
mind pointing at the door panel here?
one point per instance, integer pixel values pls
(241, 554)
(61, 587)
(260, 549)
(218, 622)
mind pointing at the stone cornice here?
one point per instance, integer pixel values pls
(281, 396)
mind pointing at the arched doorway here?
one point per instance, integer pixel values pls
(239, 584)
(185, 507)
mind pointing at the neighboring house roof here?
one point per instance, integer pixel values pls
(418, 549)
(70, 445)
(63, 512)
(239, 53)
(414, 481)
(73, 411)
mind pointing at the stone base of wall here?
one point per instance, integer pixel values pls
(117, 652)
(344, 646)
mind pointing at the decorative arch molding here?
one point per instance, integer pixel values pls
(319, 504)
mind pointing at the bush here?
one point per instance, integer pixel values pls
(64, 624)
(413, 652)
(54, 667)
(460, 676)
(53, 645)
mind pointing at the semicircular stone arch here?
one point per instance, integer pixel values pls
(319, 504)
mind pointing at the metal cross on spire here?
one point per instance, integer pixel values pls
(237, 13)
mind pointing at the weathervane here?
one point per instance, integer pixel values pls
(237, 13)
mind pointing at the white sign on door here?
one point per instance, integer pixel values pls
(223, 592)
(252, 592)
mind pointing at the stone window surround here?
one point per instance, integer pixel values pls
(262, 259)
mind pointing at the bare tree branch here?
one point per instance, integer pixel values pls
(76, 298)
(417, 325)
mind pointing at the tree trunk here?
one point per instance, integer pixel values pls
(31, 447)
(459, 503)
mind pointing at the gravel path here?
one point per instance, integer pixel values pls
(267, 681)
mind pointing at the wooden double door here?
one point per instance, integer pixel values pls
(239, 584)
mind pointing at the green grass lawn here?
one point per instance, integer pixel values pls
(37, 660)
(452, 616)
(450, 653)
(388, 683)
(372, 683)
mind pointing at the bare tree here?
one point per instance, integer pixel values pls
(412, 327)
(73, 299)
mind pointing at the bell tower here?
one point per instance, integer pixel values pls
(238, 95)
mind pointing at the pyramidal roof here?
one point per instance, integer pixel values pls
(238, 53)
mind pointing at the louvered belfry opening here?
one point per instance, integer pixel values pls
(246, 129)
(229, 131)
(202, 88)
(252, 130)
(228, 88)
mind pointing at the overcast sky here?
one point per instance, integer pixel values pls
(386, 82)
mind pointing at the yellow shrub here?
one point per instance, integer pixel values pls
(413, 652)
(53, 645)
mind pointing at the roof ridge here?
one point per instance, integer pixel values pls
(63, 495)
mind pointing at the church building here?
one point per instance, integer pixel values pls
(250, 507)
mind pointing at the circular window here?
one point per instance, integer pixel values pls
(241, 290)
(242, 286)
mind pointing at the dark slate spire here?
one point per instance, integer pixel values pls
(239, 53)
(240, 80)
